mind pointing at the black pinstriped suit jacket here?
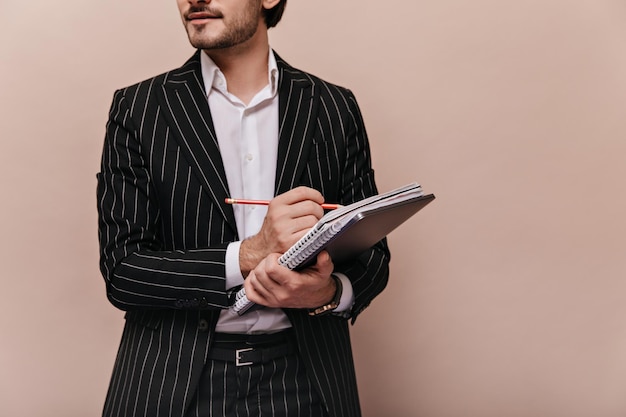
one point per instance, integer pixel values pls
(164, 229)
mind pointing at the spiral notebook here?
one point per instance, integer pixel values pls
(350, 230)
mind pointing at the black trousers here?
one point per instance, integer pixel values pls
(259, 379)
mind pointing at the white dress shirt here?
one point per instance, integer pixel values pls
(248, 140)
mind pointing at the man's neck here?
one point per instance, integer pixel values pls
(244, 66)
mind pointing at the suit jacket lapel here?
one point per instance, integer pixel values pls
(298, 104)
(186, 108)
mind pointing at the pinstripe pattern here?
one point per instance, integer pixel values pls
(164, 228)
(248, 391)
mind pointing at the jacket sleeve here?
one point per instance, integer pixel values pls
(369, 272)
(138, 269)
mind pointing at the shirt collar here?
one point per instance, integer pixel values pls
(214, 78)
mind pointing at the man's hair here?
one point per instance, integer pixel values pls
(272, 16)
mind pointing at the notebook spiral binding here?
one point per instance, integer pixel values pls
(308, 245)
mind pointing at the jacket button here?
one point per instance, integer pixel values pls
(203, 325)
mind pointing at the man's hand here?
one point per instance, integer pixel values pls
(273, 285)
(289, 217)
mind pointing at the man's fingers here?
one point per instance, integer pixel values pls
(300, 194)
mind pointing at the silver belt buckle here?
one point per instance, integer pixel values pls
(238, 353)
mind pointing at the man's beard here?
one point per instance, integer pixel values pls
(236, 32)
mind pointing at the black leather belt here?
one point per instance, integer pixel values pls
(246, 350)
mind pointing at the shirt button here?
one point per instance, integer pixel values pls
(249, 157)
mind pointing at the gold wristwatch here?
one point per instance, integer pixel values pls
(334, 303)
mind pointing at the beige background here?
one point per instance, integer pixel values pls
(508, 293)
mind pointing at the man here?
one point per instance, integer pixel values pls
(234, 121)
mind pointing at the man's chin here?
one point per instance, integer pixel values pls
(208, 44)
(199, 40)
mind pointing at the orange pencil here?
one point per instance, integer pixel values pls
(265, 203)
